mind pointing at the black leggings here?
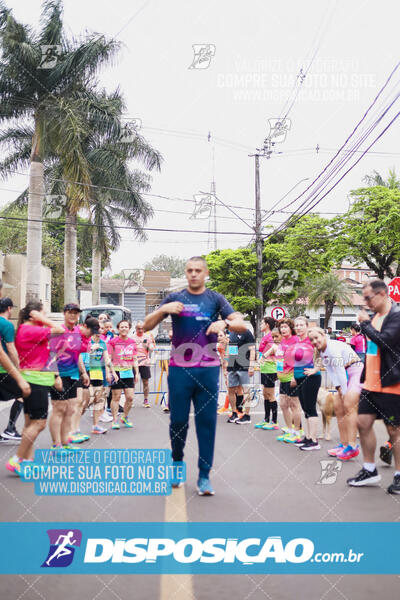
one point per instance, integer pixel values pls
(307, 388)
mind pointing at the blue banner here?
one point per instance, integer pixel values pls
(200, 548)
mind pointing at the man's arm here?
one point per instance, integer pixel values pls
(12, 353)
(154, 318)
(252, 360)
(387, 339)
(234, 322)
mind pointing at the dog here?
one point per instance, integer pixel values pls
(325, 401)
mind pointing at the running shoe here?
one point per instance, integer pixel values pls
(285, 429)
(26, 465)
(146, 404)
(243, 420)
(56, 447)
(364, 477)
(301, 441)
(292, 439)
(310, 445)
(204, 487)
(271, 426)
(77, 438)
(106, 417)
(11, 434)
(334, 451)
(348, 453)
(126, 422)
(394, 488)
(386, 454)
(69, 448)
(99, 430)
(176, 482)
(261, 425)
(223, 410)
(281, 438)
(13, 465)
(233, 418)
(115, 425)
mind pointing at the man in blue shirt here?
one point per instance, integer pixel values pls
(194, 363)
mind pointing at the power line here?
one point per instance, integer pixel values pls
(347, 139)
(123, 226)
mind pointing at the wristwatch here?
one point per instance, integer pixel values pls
(227, 322)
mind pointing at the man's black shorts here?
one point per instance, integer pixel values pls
(383, 406)
(145, 372)
(69, 390)
(36, 405)
(9, 389)
(268, 379)
(125, 383)
(285, 388)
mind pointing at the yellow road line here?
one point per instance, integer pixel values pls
(176, 587)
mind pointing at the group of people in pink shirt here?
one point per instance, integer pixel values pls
(77, 365)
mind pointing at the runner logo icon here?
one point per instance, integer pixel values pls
(62, 547)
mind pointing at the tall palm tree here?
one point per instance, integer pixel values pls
(46, 91)
(115, 190)
(376, 179)
(107, 211)
(328, 290)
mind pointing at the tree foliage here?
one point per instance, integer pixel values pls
(369, 231)
(13, 235)
(163, 262)
(233, 272)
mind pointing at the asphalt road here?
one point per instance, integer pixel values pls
(255, 478)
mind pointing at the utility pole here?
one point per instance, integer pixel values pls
(259, 248)
(214, 195)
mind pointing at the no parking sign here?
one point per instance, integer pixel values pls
(278, 313)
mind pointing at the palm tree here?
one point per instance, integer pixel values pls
(376, 179)
(329, 290)
(107, 211)
(115, 190)
(47, 91)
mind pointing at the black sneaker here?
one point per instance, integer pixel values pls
(233, 418)
(310, 445)
(364, 477)
(11, 434)
(301, 442)
(386, 454)
(394, 488)
(243, 420)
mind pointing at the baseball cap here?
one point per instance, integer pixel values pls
(72, 306)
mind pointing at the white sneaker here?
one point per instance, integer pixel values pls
(106, 417)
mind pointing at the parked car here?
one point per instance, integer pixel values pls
(116, 313)
(162, 338)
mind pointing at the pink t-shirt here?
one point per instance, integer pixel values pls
(122, 352)
(285, 354)
(143, 349)
(266, 342)
(358, 341)
(32, 344)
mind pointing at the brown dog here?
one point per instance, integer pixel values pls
(325, 402)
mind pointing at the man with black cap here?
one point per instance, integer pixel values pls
(8, 387)
(67, 348)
